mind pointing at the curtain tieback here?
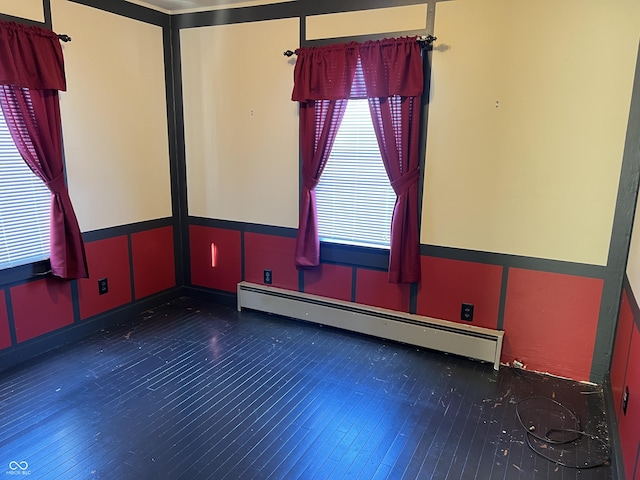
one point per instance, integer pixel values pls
(308, 180)
(406, 181)
(57, 185)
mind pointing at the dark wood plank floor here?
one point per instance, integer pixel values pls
(197, 390)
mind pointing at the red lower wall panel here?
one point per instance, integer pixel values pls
(5, 336)
(153, 261)
(41, 307)
(550, 322)
(621, 351)
(270, 252)
(629, 424)
(218, 267)
(373, 288)
(446, 284)
(106, 259)
(333, 281)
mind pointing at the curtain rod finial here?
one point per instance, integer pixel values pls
(427, 39)
(289, 53)
(64, 37)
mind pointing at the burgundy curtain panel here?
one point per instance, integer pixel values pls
(319, 123)
(323, 78)
(31, 74)
(392, 72)
(389, 73)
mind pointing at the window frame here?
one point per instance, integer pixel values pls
(387, 206)
(38, 196)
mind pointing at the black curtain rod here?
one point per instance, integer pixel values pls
(424, 41)
(64, 37)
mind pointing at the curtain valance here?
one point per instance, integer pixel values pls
(387, 67)
(30, 57)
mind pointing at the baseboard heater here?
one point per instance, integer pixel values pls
(466, 340)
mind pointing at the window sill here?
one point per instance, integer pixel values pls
(352, 255)
(22, 273)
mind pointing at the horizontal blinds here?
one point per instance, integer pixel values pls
(354, 198)
(25, 204)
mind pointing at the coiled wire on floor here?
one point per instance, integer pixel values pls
(554, 432)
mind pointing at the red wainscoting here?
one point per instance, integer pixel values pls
(218, 267)
(153, 261)
(333, 281)
(41, 307)
(5, 336)
(269, 252)
(621, 352)
(373, 288)
(550, 322)
(106, 259)
(629, 424)
(446, 284)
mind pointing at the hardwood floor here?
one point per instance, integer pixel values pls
(196, 390)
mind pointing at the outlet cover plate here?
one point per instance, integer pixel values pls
(103, 286)
(466, 313)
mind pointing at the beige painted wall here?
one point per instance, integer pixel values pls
(114, 117)
(367, 22)
(528, 115)
(30, 9)
(527, 122)
(240, 123)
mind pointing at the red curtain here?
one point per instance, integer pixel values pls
(323, 78)
(389, 73)
(390, 67)
(30, 57)
(319, 123)
(31, 73)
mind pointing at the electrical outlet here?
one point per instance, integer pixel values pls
(466, 313)
(268, 277)
(625, 399)
(103, 286)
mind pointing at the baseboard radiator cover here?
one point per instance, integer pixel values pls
(466, 340)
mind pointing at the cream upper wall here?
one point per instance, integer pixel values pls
(527, 121)
(240, 123)
(366, 22)
(114, 117)
(29, 9)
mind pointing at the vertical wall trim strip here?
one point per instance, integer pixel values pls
(177, 206)
(354, 279)
(424, 115)
(12, 324)
(503, 297)
(75, 300)
(132, 276)
(620, 238)
(302, 27)
(46, 9)
(242, 258)
(178, 160)
(413, 298)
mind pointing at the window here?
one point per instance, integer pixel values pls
(25, 203)
(354, 198)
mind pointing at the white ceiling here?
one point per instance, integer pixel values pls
(187, 6)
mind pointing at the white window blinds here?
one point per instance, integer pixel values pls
(25, 204)
(354, 197)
